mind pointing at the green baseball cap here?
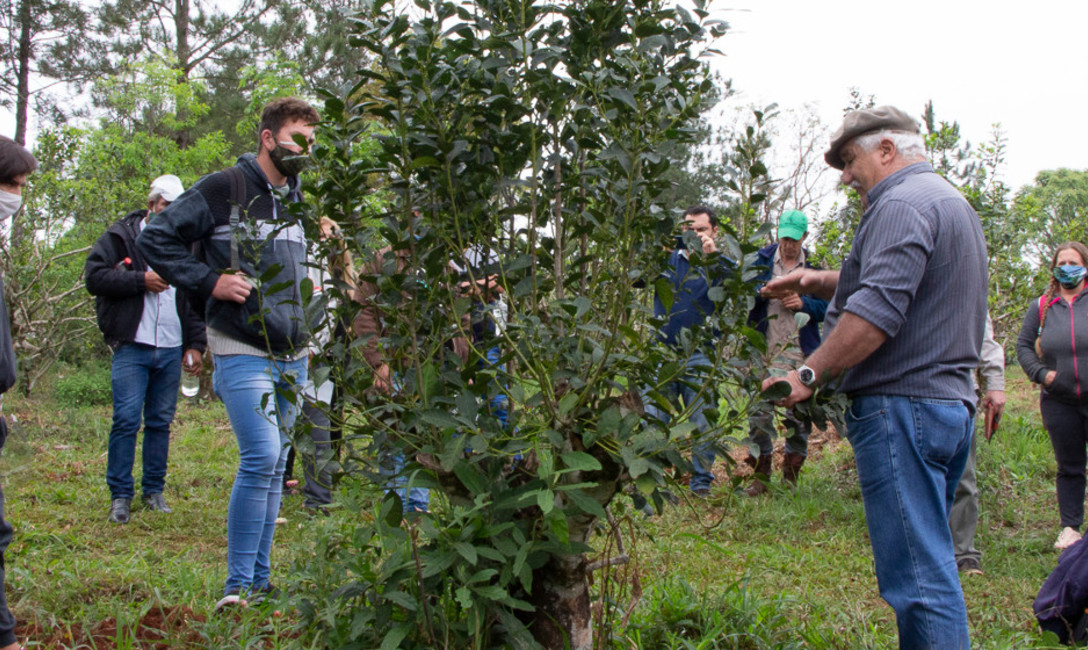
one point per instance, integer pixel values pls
(792, 224)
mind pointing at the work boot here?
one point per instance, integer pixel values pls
(791, 467)
(155, 501)
(761, 470)
(119, 510)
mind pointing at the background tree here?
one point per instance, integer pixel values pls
(88, 179)
(43, 43)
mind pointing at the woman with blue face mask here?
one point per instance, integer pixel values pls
(1053, 351)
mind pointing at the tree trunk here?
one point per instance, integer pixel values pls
(184, 52)
(22, 93)
(561, 597)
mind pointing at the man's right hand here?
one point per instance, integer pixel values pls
(232, 287)
(786, 285)
(154, 283)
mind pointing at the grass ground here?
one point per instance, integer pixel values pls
(801, 559)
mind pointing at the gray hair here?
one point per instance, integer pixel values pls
(909, 145)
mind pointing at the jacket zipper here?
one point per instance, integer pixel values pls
(1073, 341)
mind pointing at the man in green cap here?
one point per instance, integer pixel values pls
(788, 343)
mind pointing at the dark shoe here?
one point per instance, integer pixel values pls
(760, 473)
(791, 467)
(969, 566)
(119, 510)
(314, 510)
(702, 493)
(269, 592)
(156, 502)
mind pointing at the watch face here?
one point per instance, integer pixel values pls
(807, 376)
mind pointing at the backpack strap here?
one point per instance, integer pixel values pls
(237, 211)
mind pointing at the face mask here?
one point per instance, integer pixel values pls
(1069, 275)
(287, 162)
(9, 204)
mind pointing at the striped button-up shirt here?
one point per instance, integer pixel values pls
(917, 271)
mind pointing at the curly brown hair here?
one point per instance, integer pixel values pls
(280, 111)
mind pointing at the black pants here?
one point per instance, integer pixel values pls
(1067, 425)
(7, 621)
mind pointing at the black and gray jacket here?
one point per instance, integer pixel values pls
(1064, 344)
(114, 275)
(271, 249)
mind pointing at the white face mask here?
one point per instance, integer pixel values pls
(9, 204)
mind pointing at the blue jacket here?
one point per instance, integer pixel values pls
(1059, 607)
(815, 307)
(691, 301)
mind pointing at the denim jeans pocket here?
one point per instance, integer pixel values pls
(940, 427)
(866, 417)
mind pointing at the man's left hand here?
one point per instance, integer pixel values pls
(792, 302)
(993, 402)
(798, 391)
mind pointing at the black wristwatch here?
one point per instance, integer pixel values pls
(807, 376)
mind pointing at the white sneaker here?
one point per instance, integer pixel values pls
(230, 601)
(1067, 538)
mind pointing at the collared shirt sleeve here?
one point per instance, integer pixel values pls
(991, 363)
(898, 245)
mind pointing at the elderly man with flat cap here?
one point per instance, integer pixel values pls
(907, 315)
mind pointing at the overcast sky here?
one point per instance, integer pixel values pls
(1024, 65)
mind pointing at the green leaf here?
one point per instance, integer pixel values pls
(440, 419)
(638, 467)
(623, 95)
(545, 499)
(579, 460)
(492, 592)
(558, 524)
(587, 504)
(776, 391)
(664, 291)
(471, 478)
(567, 402)
(394, 636)
(467, 551)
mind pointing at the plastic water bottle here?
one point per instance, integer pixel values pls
(190, 384)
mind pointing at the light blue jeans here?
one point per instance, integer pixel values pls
(687, 390)
(910, 453)
(260, 425)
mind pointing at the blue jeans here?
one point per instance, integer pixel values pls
(910, 453)
(686, 388)
(260, 426)
(145, 382)
(413, 499)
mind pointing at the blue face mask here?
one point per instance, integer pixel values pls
(1069, 275)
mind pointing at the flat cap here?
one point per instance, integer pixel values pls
(867, 121)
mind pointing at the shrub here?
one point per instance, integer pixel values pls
(87, 385)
